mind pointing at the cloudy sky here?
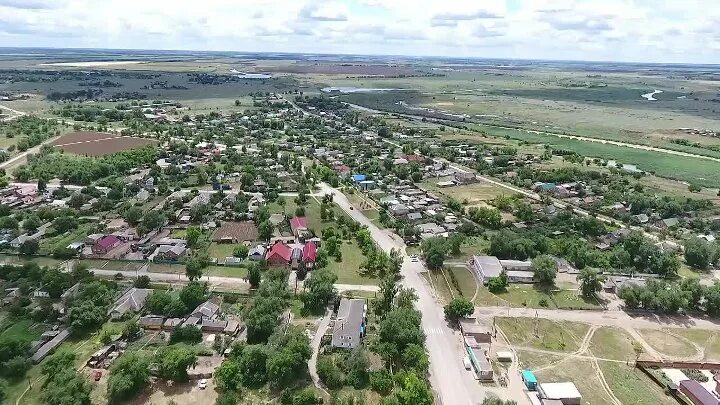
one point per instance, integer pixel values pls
(620, 30)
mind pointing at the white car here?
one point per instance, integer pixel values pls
(414, 258)
(202, 384)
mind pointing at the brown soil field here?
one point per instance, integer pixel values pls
(99, 144)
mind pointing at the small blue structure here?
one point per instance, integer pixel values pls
(529, 380)
(357, 178)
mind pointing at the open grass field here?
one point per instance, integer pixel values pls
(612, 343)
(470, 194)
(221, 250)
(669, 344)
(226, 271)
(99, 144)
(551, 335)
(675, 167)
(706, 340)
(532, 296)
(631, 386)
(348, 270)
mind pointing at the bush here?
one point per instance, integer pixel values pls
(186, 334)
(329, 373)
(381, 381)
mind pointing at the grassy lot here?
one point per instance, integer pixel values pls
(706, 339)
(668, 344)
(534, 296)
(470, 194)
(470, 246)
(442, 289)
(47, 245)
(25, 329)
(612, 343)
(465, 281)
(221, 250)
(534, 360)
(631, 386)
(348, 270)
(582, 373)
(166, 268)
(561, 336)
(226, 271)
(40, 260)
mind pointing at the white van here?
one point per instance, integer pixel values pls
(466, 363)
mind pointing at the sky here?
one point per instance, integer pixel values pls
(679, 31)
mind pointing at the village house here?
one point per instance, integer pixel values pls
(349, 327)
(279, 254)
(105, 244)
(133, 300)
(486, 267)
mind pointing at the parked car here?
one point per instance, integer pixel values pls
(202, 384)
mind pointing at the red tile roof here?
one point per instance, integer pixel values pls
(309, 252)
(342, 168)
(298, 223)
(281, 250)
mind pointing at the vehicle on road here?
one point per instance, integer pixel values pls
(202, 384)
(466, 363)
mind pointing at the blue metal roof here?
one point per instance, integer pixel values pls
(358, 177)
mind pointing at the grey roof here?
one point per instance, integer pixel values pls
(151, 320)
(133, 299)
(45, 349)
(487, 266)
(210, 324)
(349, 324)
(207, 309)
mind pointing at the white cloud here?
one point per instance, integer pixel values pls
(640, 30)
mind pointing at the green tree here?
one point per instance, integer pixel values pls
(254, 275)
(173, 362)
(434, 252)
(142, 282)
(66, 388)
(31, 223)
(399, 328)
(227, 376)
(157, 302)
(192, 235)
(133, 215)
(458, 308)
(319, 289)
(697, 253)
(241, 251)
(64, 223)
(265, 230)
(252, 366)
(189, 334)
(128, 375)
(357, 366)
(29, 247)
(498, 284)
(545, 269)
(193, 294)
(590, 282)
(415, 358)
(414, 391)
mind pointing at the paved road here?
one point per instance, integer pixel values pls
(449, 379)
(218, 281)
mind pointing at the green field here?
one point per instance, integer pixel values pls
(700, 171)
(534, 296)
(559, 336)
(348, 270)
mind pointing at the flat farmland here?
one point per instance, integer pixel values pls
(98, 143)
